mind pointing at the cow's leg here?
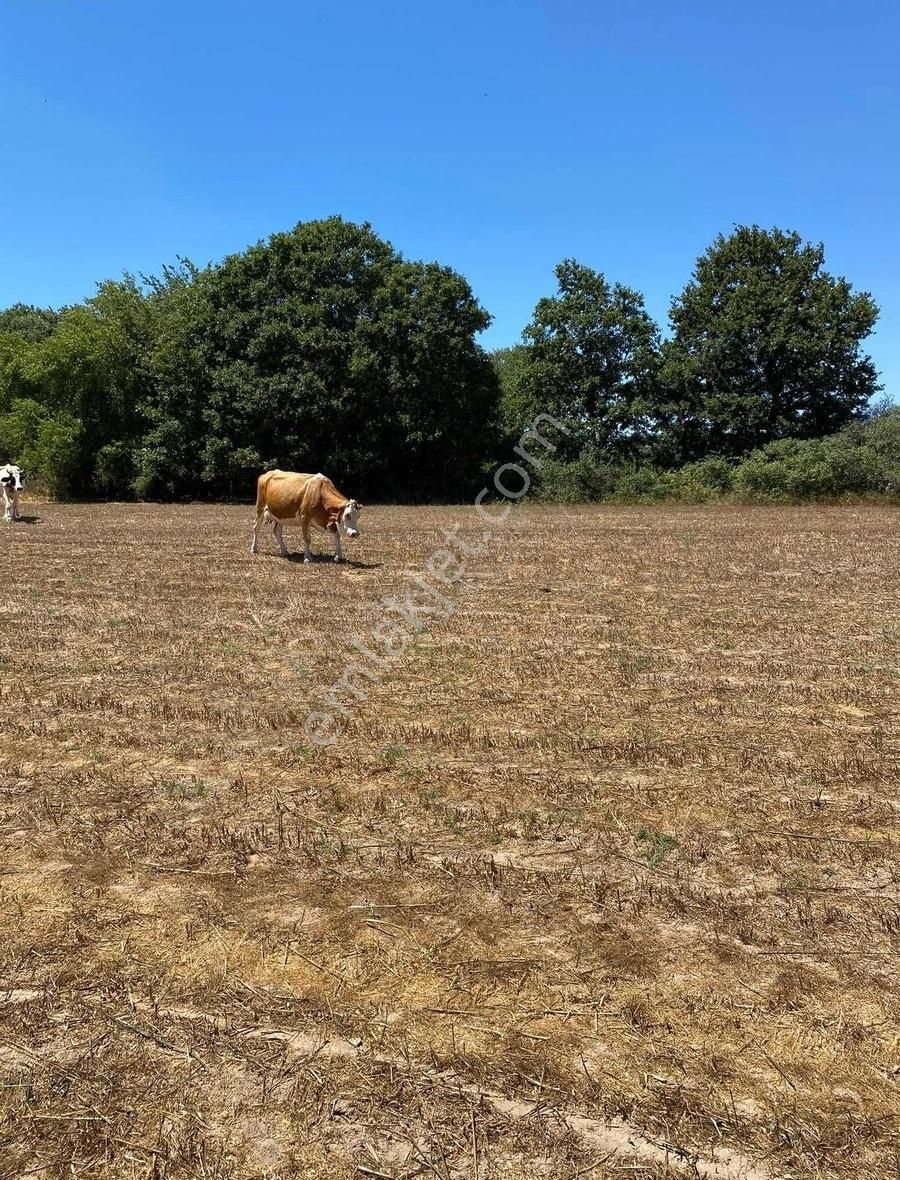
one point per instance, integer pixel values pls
(338, 555)
(263, 516)
(7, 507)
(307, 552)
(15, 505)
(254, 543)
(279, 537)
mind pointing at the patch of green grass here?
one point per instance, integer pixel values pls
(429, 796)
(454, 821)
(393, 754)
(655, 846)
(187, 790)
(530, 823)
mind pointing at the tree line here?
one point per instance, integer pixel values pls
(323, 348)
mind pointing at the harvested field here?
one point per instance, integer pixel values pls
(601, 881)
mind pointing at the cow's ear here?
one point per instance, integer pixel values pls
(359, 506)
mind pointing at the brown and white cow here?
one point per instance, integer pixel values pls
(293, 498)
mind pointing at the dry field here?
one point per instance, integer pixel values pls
(602, 880)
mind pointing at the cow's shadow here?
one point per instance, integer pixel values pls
(25, 520)
(328, 559)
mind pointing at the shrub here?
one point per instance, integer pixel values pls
(642, 484)
(707, 479)
(56, 455)
(863, 459)
(49, 449)
(114, 470)
(881, 440)
(814, 469)
(587, 478)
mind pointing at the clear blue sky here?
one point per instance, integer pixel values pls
(498, 137)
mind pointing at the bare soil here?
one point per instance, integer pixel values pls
(600, 880)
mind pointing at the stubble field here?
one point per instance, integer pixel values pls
(601, 880)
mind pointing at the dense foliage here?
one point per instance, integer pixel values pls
(860, 461)
(766, 345)
(324, 349)
(320, 348)
(591, 359)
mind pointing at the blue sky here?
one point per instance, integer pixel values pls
(498, 137)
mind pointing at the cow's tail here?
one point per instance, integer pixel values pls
(261, 493)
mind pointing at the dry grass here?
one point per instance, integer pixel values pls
(603, 881)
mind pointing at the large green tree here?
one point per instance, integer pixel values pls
(319, 348)
(323, 348)
(95, 370)
(766, 344)
(590, 359)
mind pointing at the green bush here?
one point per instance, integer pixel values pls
(642, 484)
(56, 455)
(114, 470)
(814, 469)
(49, 449)
(881, 440)
(707, 479)
(585, 479)
(863, 459)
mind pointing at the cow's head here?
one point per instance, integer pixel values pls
(12, 477)
(350, 518)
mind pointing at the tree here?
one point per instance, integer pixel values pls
(19, 428)
(31, 323)
(166, 458)
(49, 448)
(323, 348)
(510, 367)
(95, 367)
(590, 360)
(766, 345)
(14, 351)
(21, 328)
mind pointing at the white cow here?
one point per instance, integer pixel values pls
(11, 480)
